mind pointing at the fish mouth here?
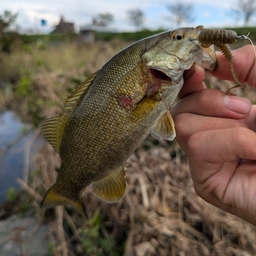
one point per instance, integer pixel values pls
(160, 75)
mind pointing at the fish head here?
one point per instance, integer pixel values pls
(176, 51)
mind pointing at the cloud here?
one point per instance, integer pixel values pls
(82, 12)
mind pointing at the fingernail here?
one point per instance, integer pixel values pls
(237, 104)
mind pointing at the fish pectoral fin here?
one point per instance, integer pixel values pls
(164, 128)
(53, 198)
(111, 188)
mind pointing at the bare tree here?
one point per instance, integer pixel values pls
(181, 12)
(103, 19)
(136, 18)
(6, 20)
(245, 9)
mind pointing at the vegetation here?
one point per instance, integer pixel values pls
(126, 36)
(120, 37)
(160, 214)
(136, 18)
(13, 40)
(7, 38)
(103, 19)
(245, 9)
(180, 13)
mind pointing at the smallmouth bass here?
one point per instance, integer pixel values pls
(106, 118)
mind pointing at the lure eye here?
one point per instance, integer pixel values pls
(177, 37)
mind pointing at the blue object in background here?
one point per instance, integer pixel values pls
(43, 22)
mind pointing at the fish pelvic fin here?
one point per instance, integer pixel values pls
(164, 128)
(54, 198)
(53, 128)
(111, 188)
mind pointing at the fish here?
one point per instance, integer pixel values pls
(108, 116)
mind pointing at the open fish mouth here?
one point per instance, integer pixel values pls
(160, 75)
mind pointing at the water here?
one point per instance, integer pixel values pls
(18, 145)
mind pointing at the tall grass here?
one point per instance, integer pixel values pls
(65, 58)
(35, 79)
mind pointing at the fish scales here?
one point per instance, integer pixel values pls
(92, 110)
(114, 112)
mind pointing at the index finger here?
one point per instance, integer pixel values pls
(193, 81)
(244, 64)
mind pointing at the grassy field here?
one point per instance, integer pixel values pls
(160, 214)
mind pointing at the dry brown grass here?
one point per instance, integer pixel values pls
(160, 214)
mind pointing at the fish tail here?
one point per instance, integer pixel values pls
(54, 198)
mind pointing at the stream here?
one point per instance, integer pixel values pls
(18, 145)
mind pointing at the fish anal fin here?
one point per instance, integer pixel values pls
(111, 188)
(164, 128)
(53, 198)
(53, 128)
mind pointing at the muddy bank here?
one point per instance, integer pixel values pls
(23, 236)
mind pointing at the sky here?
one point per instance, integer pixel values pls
(211, 14)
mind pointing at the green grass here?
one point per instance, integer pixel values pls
(126, 36)
(123, 36)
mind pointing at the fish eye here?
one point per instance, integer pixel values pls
(177, 37)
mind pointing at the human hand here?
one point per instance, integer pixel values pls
(217, 132)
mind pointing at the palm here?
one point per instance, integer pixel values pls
(227, 180)
(232, 185)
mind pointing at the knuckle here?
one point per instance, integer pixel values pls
(181, 122)
(193, 144)
(238, 124)
(239, 134)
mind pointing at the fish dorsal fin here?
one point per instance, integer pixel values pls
(53, 128)
(111, 188)
(164, 127)
(73, 98)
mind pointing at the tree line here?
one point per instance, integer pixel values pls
(180, 13)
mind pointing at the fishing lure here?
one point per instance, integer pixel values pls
(217, 36)
(221, 38)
